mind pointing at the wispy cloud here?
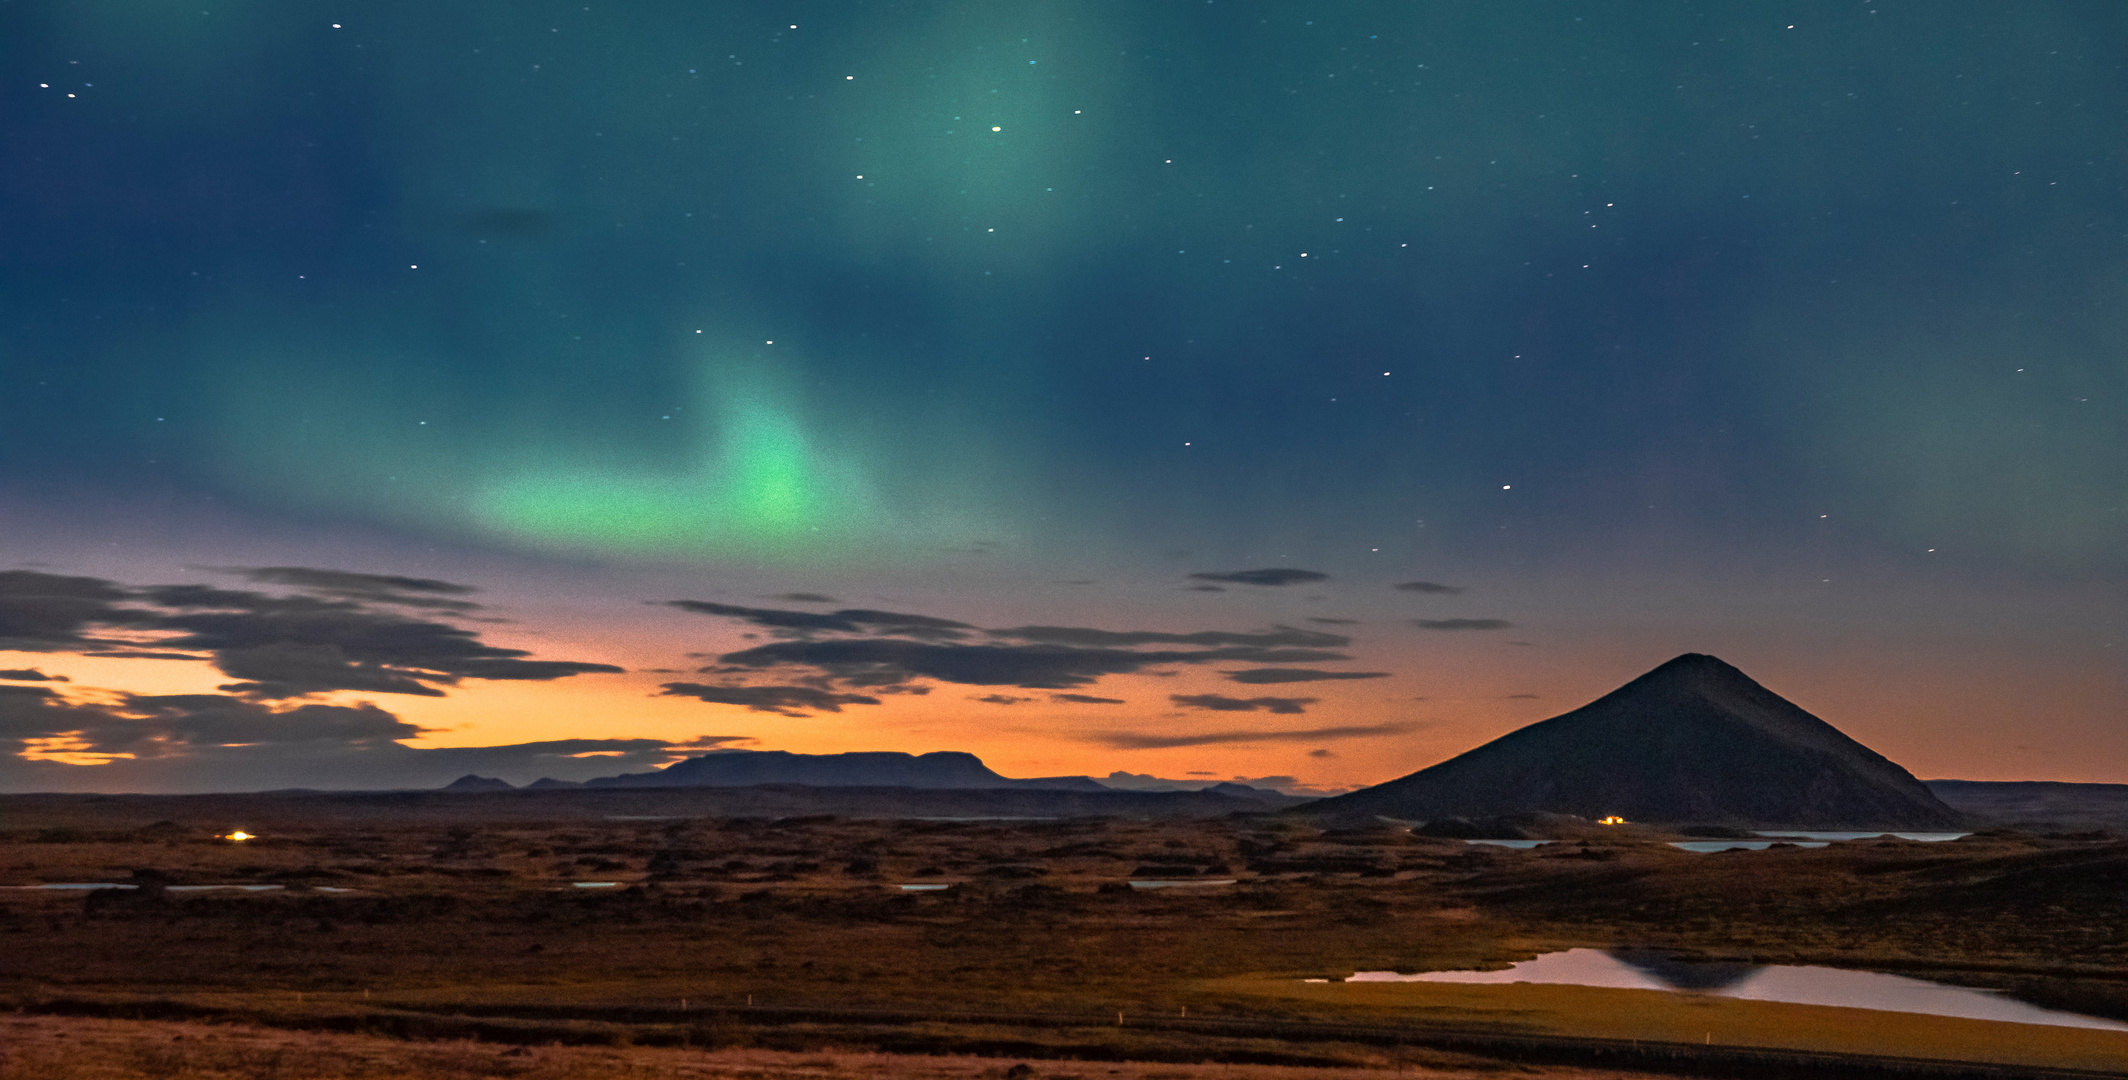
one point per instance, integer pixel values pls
(1270, 576)
(781, 700)
(1223, 703)
(1428, 587)
(1294, 675)
(1138, 740)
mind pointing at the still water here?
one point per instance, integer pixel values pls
(1924, 837)
(1633, 969)
(1710, 846)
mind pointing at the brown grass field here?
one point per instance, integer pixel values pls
(454, 923)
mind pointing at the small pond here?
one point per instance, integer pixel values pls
(923, 888)
(1707, 846)
(1924, 837)
(1184, 884)
(1636, 969)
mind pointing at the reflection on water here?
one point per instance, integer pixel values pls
(1740, 845)
(1924, 837)
(1631, 969)
(1177, 884)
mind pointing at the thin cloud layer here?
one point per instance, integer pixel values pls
(882, 662)
(1294, 675)
(1271, 576)
(847, 621)
(1132, 740)
(864, 652)
(781, 700)
(1428, 587)
(1462, 624)
(1077, 635)
(374, 588)
(1223, 703)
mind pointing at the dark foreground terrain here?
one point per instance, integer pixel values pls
(462, 917)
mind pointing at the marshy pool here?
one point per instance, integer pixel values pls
(1634, 969)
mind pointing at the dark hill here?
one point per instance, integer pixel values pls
(1693, 741)
(475, 782)
(944, 769)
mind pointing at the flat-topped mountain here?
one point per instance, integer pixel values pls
(1693, 741)
(746, 768)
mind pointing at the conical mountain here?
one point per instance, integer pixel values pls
(1693, 741)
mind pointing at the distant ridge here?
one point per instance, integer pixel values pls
(947, 769)
(1693, 741)
(471, 782)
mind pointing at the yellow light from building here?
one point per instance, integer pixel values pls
(239, 836)
(1614, 819)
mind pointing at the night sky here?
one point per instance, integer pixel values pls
(390, 391)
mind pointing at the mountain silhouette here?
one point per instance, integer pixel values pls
(1693, 741)
(476, 782)
(745, 768)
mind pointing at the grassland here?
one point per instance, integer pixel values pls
(477, 921)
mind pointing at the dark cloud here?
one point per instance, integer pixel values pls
(1273, 576)
(1462, 624)
(806, 598)
(1087, 699)
(1333, 622)
(781, 700)
(1222, 703)
(1322, 753)
(208, 742)
(1292, 675)
(848, 621)
(30, 675)
(1130, 740)
(1001, 699)
(137, 654)
(303, 644)
(1202, 588)
(375, 588)
(878, 661)
(153, 726)
(278, 646)
(1428, 587)
(47, 612)
(1077, 635)
(286, 669)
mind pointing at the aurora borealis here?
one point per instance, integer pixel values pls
(950, 376)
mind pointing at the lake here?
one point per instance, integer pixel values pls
(1634, 969)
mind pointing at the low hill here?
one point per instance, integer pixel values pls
(1693, 741)
(2038, 803)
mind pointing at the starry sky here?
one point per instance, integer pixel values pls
(1269, 390)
